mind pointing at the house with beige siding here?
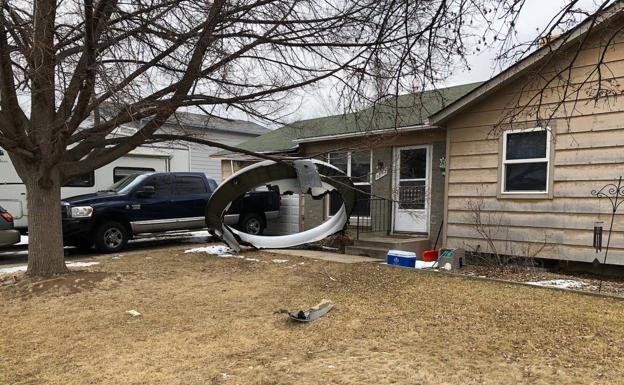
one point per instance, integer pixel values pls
(394, 159)
(507, 166)
(526, 149)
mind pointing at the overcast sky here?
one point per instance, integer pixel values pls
(535, 15)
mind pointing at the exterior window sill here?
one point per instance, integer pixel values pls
(520, 195)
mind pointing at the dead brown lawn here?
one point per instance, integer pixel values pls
(208, 320)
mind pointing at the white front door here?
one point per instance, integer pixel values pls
(411, 189)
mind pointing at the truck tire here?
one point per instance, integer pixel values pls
(252, 223)
(111, 237)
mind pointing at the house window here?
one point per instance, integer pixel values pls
(526, 157)
(357, 165)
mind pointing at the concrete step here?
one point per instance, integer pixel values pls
(416, 244)
(367, 251)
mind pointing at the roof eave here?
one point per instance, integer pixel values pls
(240, 156)
(364, 133)
(519, 68)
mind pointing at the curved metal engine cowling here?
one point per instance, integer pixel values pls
(302, 174)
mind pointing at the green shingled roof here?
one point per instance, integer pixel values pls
(279, 140)
(403, 111)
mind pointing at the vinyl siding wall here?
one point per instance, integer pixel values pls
(588, 140)
(200, 154)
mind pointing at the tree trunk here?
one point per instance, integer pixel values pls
(45, 230)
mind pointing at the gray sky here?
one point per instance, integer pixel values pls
(536, 14)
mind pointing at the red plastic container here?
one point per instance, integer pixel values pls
(430, 255)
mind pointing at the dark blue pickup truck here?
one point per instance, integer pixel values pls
(154, 203)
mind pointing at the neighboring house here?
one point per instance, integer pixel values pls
(226, 131)
(507, 166)
(229, 132)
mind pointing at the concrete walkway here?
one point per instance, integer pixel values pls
(325, 256)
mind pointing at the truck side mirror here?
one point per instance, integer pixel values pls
(146, 191)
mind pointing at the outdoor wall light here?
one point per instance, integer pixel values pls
(443, 165)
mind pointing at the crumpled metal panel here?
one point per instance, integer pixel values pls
(303, 176)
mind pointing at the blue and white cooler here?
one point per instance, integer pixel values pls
(401, 258)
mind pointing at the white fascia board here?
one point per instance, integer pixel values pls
(365, 133)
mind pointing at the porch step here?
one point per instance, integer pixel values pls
(378, 246)
(367, 251)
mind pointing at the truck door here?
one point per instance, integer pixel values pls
(153, 213)
(189, 200)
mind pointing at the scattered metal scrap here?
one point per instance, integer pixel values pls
(311, 177)
(312, 313)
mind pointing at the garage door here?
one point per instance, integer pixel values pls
(288, 220)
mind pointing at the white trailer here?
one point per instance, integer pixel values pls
(142, 159)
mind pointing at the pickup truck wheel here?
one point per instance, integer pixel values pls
(252, 224)
(111, 237)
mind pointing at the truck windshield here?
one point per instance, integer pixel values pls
(126, 183)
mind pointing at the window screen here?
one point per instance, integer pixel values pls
(340, 160)
(357, 165)
(525, 162)
(361, 167)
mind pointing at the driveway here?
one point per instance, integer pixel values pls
(18, 255)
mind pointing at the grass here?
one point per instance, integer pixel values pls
(208, 320)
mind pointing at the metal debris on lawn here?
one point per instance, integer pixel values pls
(133, 313)
(312, 313)
(302, 176)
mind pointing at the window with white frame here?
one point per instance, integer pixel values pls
(525, 161)
(357, 165)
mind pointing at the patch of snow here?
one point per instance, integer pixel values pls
(252, 259)
(218, 250)
(558, 283)
(22, 268)
(280, 260)
(81, 264)
(14, 269)
(425, 265)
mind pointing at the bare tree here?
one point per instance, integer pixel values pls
(60, 61)
(141, 60)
